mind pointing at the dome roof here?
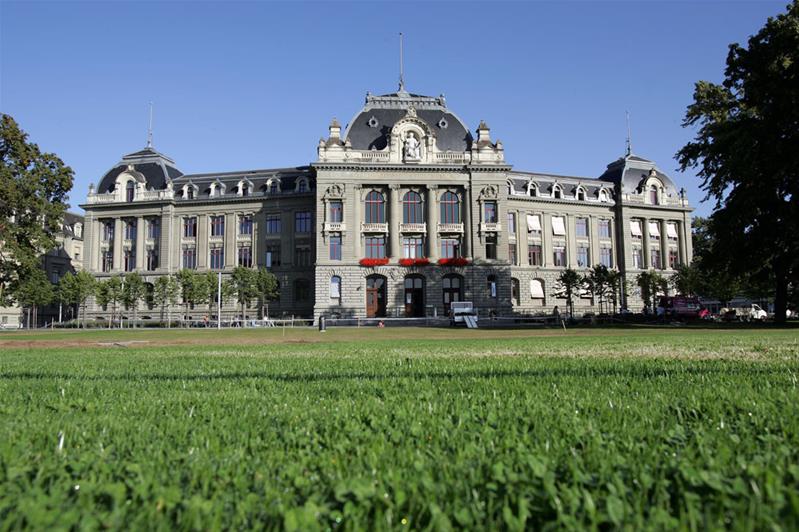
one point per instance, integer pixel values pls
(156, 168)
(631, 171)
(371, 127)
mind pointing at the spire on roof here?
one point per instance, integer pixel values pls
(401, 90)
(150, 128)
(629, 136)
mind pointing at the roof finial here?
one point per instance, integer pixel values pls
(402, 77)
(150, 128)
(629, 136)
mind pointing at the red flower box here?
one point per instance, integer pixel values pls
(421, 261)
(373, 262)
(454, 261)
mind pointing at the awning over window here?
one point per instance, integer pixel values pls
(536, 289)
(671, 231)
(654, 229)
(635, 228)
(533, 222)
(558, 226)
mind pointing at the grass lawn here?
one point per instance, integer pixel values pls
(400, 429)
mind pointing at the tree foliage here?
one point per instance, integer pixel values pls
(570, 282)
(166, 290)
(747, 153)
(651, 284)
(33, 290)
(267, 288)
(110, 292)
(134, 291)
(77, 289)
(33, 199)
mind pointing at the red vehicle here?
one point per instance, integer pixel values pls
(680, 306)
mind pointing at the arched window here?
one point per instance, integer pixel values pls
(412, 208)
(653, 195)
(274, 186)
(580, 194)
(450, 208)
(514, 291)
(557, 193)
(302, 186)
(189, 192)
(453, 289)
(532, 190)
(375, 208)
(130, 191)
(603, 195)
(335, 288)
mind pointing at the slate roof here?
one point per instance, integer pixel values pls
(259, 178)
(630, 171)
(156, 168)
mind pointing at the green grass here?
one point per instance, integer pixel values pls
(383, 429)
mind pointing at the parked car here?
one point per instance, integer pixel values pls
(680, 306)
(751, 312)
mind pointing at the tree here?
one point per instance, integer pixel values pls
(598, 283)
(267, 287)
(33, 195)
(688, 280)
(747, 152)
(244, 283)
(615, 287)
(570, 282)
(77, 289)
(133, 292)
(651, 283)
(110, 292)
(208, 289)
(189, 286)
(165, 293)
(32, 290)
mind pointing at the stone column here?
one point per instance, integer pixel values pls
(164, 244)
(394, 223)
(201, 242)
(355, 230)
(547, 248)
(468, 227)
(647, 262)
(140, 245)
(593, 241)
(432, 223)
(571, 241)
(119, 234)
(521, 237)
(230, 240)
(664, 245)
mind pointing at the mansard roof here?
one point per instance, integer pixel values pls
(371, 126)
(156, 168)
(630, 171)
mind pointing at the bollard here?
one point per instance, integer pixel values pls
(322, 324)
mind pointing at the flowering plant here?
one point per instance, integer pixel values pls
(373, 262)
(454, 261)
(420, 261)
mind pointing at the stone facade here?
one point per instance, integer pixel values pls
(400, 214)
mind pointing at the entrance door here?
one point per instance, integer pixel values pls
(453, 290)
(414, 296)
(375, 296)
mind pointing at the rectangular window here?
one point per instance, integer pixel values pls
(108, 231)
(638, 261)
(245, 225)
(490, 210)
(302, 256)
(654, 230)
(558, 226)
(512, 253)
(534, 224)
(671, 231)
(245, 256)
(190, 227)
(582, 256)
(674, 259)
(335, 247)
(511, 223)
(190, 258)
(492, 286)
(581, 226)
(654, 255)
(635, 229)
(217, 258)
(130, 230)
(302, 222)
(606, 257)
(153, 228)
(534, 254)
(412, 248)
(272, 255)
(273, 225)
(491, 246)
(604, 228)
(559, 255)
(129, 260)
(335, 212)
(152, 259)
(108, 261)
(375, 247)
(450, 248)
(217, 226)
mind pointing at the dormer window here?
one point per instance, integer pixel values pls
(557, 193)
(603, 195)
(302, 185)
(580, 194)
(189, 193)
(245, 187)
(653, 195)
(532, 190)
(130, 191)
(273, 187)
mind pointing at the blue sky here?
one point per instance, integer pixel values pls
(244, 85)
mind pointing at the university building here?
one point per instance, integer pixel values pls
(403, 212)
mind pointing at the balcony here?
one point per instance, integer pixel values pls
(413, 228)
(335, 227)
(488, 227)
(374, 228)
(450, 228)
